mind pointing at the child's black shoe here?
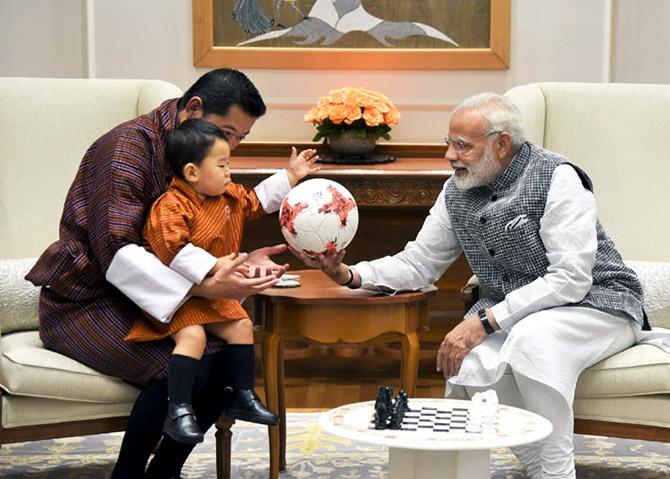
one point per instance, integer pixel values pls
(180, 424)
(245, 405)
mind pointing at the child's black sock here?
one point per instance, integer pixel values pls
(241, 365)
(182, 372)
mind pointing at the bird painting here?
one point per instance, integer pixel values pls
(249, 15)
(252, 18)
(328, 20)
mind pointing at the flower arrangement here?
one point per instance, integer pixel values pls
(364, 113)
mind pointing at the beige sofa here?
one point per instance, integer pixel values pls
(618, 133)
(47, 126)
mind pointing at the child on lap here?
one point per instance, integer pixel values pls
(203, 208)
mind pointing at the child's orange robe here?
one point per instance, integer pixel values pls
(179, 217)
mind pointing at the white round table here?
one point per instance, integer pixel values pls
(443, 455)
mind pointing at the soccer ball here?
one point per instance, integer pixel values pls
(318, 216)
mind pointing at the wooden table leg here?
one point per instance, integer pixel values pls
(410, 362)
(282, 408)
(271, 344)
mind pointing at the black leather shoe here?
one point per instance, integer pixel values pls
(180, 424)
(245, 405)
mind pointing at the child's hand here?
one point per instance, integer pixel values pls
(301, 165)
(225, 261)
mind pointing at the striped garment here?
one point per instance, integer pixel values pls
(215, 224)
(82, 315)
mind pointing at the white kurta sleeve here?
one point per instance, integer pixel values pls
(193, 263)
(568, 231)
(422, 261)
(271, 191)
(151, 285)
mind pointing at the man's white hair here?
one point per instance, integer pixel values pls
(499, 113)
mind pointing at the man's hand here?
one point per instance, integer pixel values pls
(329, 263)
(301, 165)
(260, 265)
(231, 280)
(457, 343)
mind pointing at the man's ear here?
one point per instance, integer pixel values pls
(504, 144)
(191, 172)
(194, 108)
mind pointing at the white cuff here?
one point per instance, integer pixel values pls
(271, 191)
(193, 263)
(148, 283)
(503, 316)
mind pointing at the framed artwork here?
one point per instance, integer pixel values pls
(352, 34)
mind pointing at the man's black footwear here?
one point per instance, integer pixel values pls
(180, 424)
(245, 405)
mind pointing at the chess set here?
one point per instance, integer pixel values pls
(396, 413)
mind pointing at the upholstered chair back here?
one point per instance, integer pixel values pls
(45, 129)
(620, 135)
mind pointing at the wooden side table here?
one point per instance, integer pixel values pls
(325, 312)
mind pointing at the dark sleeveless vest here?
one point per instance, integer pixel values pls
(498, 226)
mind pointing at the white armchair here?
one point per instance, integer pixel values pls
(618, 134)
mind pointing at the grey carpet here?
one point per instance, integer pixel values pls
(312, 454)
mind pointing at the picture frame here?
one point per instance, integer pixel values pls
(495, 56)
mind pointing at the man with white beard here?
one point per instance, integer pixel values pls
(557, 297)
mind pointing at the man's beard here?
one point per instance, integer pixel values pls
(481, 173)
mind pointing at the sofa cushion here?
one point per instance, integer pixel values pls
(27, 369)
(641, 370)
(642, 410)
(18, 297)
(20, 411)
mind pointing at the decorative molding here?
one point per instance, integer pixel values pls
(413, 181)
(279, 148)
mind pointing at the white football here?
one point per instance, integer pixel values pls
(318, 216)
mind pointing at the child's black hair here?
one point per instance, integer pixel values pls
(190, 142)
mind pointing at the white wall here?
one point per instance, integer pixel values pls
(552, 40)
(640, 47)
(43, 38)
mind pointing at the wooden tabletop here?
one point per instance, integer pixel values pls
(317, 287)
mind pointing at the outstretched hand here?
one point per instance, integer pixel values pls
(329, 263)
(301, 165)
(259, 264)
(232, 280)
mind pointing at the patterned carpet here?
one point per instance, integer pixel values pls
(312, 454)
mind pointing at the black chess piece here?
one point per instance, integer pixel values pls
(389, 398)
(405, 401)
(382, 411)
(397, 414)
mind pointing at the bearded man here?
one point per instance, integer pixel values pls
(557, 298)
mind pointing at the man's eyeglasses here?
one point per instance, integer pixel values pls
(462, 146)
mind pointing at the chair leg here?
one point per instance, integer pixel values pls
(223, 444)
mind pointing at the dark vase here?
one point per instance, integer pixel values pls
(346, 145)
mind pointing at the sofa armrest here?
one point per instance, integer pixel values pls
(655, 279)
(470, 293)
(18, 297)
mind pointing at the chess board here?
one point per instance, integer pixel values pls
(432, 419)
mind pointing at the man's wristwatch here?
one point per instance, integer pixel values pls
(350, 280)
(485, 321)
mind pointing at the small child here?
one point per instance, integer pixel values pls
(203, 208)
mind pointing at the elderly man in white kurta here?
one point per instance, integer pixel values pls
(557, 297)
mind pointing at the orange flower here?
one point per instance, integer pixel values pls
(391, 117)
(373, 117)
(337, 113)
(353, 109)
